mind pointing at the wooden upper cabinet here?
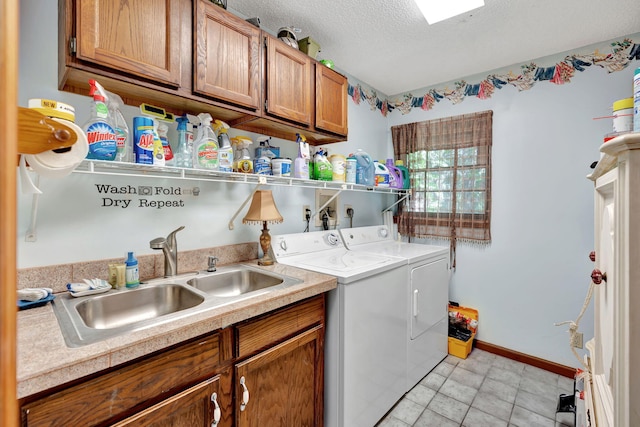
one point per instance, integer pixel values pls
(140, 37)
(331, 100)
(289, 90)
(227, 56)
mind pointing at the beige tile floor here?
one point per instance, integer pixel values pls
(484, 390)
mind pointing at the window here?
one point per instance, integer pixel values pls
(449, 161)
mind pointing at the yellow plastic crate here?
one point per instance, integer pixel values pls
(458, 347)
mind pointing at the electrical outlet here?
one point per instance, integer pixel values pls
(346, 210)
(306, 210)
(577, 340)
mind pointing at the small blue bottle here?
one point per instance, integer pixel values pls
(131, 273)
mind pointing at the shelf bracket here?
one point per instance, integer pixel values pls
(261, 182)
(400, 200)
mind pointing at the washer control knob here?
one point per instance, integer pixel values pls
(332, 239)
(283, 245)
(383, 232)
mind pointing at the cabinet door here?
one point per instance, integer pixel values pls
(141, 37)
(288, 82)
(227, 55)
(284, 384)
(331, 100)
(194, 407)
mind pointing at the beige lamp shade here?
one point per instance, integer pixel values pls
(262, 209)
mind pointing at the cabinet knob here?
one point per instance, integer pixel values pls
(592, 256)
(245, 395)
(216, 410)
(598, 276)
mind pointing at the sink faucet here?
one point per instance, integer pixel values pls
(169, 248)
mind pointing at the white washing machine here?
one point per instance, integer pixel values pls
(426, 293)
(365, 350)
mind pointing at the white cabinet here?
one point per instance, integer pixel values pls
(615, 349)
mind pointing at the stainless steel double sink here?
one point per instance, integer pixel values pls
(90, 319)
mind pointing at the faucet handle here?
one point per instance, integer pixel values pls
(211, 265)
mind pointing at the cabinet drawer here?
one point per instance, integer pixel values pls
(117, 392)
(256, 335)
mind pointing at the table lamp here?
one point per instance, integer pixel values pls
(263, 209)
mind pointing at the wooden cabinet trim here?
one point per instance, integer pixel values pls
(256, 335)
(119, 391)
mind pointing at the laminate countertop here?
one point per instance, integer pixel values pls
(45, 361)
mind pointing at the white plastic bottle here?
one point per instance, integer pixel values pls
(169, 159)
(205, 147)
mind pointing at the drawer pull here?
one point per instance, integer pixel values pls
(216, 410)
(245, 395)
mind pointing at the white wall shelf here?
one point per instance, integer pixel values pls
(101, 167)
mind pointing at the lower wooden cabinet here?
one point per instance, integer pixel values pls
(282, 386)
(278, 356)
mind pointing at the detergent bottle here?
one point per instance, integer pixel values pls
(205, 147)
(101, 134)
(406, 180)
(225, 150)
(395, 175)
(245, 164)
(301, 163)
(381, 174)
(365, 170)
(184, 152)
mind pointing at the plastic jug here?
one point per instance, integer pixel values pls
(406, 181)
(395, 175)
(381, 175)
(365, 172)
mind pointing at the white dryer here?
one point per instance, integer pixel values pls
(426, 293)
(365, 352)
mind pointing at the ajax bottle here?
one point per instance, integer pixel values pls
(205, 147)
(101, 134)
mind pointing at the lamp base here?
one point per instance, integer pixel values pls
(265, 243)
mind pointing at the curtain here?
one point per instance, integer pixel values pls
(449, 162)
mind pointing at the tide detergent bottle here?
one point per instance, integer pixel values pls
(101, 134)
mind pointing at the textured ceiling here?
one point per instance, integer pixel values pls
(389, 45)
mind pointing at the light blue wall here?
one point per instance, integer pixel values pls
(535, 272)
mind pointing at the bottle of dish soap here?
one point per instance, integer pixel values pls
(131, 271)
(205, 147)
(101, 134)
(225, 151)
(184, 152)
